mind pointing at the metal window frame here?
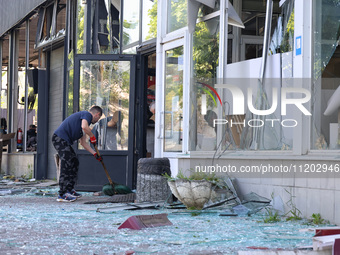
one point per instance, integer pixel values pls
(51, 15)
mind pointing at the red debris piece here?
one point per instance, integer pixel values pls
(146, 221)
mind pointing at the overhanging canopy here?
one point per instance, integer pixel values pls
(12, 12)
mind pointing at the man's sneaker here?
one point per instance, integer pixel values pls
(67, 197)
(75, 194)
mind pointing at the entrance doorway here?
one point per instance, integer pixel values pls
(108, 81)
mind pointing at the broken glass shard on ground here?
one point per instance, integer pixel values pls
(32, 224)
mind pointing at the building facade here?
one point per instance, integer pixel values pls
(244, 88)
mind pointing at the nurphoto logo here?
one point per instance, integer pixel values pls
(288, 96)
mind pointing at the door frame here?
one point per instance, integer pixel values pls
(141, 98)
(160, 104)
(129, 154)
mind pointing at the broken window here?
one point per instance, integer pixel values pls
(105, 26)
(326, 75)
(51, 23)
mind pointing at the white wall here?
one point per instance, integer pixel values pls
(311, 194)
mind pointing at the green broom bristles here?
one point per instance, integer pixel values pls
(110, 190)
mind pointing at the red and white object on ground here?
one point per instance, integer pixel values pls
(327, 238)
(146, 221)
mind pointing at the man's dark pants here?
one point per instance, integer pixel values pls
(69, 164)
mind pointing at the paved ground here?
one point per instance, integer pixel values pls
(32, 224)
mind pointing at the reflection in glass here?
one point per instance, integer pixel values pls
(81, 27)
(131, 22)
(283, 35)
(107, 84)
(173, 114)
(326, 75)
(149, 21)
(177, 16)
(205, 63)
(70, 74)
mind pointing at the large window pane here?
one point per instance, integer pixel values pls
(149, 20)
(177, 14)
(173, 114)
(107, 84)
(205, 63)
(131, 22)
(326, 75)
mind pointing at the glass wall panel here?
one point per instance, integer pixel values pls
(149, 20)
(131, 22)
(253, 131)
(203, 100)
(173, 114)
(177, 15)
(107, 84)
(326, 75)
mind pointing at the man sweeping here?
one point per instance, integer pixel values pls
(74, 127)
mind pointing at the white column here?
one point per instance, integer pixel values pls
(161, 31)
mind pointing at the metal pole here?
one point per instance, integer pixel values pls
(121, 27)
(269, 13)
(27, 58)
(268, 24)
(10, 74)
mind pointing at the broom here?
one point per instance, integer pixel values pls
(112, 188)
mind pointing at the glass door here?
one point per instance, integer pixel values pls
(173, 94)
(109, 82)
